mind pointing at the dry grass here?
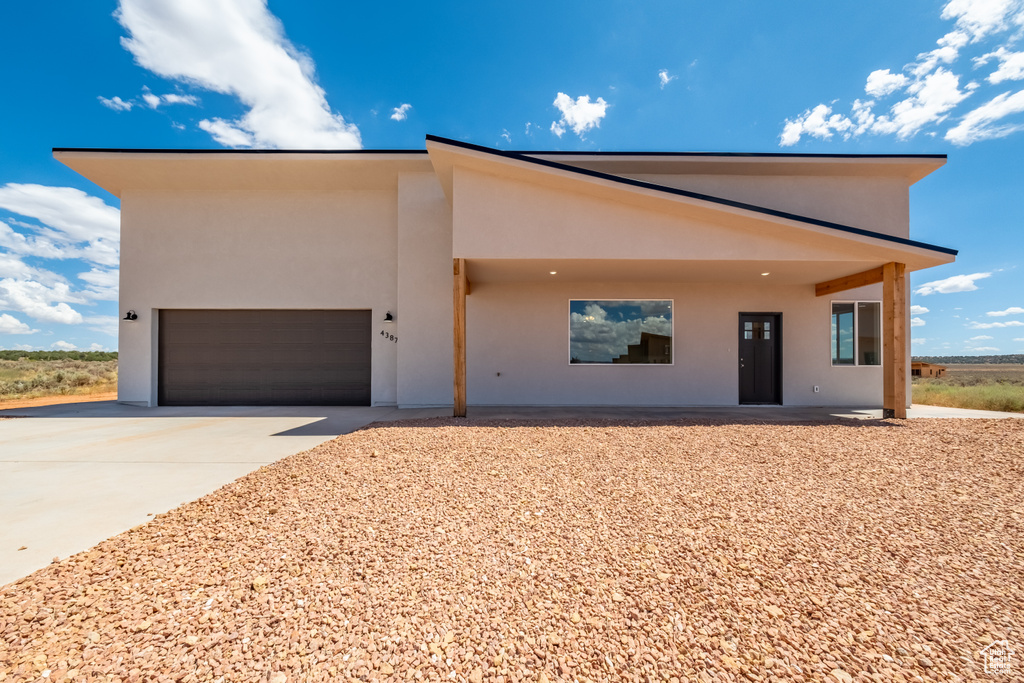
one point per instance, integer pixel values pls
(454, 550)
(27, 379)
(977, 387)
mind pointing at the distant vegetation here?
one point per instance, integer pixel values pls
(58, 355)
(28, 377)
(1008, 359)
(977, 386)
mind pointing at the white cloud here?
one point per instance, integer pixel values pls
(77, 216)
(116, 103)
(1012, 310)
(990, 326)
(103, 283)
(918, 310)
(237, 47)
(105, 324)
(956, 283)
(63, 346)
(932, 87)
(980, 124)
(979, 18)
(980, 337)
(39, 301)
(11, 266)
(882, 82)
(917, 322)
(70, 224)
(918, 340)
(1020, 339)
(819, 122)
(664, 78)
(227, 134)
(97, 347)
(401, 112)
(506, 135)
(983, 348)
(1011, 65)
(931, 99)
(11, 325)
(173, 98)
(580, 114)
(152, 100)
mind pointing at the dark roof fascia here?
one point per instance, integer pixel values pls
(520, 156)
(119, 150)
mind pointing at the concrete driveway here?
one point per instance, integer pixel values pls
(73, 475)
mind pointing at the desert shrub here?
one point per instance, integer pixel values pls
(33, 378)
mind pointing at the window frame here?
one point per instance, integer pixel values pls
(856, 337)
(568, 336)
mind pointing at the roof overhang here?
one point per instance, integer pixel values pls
(118, 171)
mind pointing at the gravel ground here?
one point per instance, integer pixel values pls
(585, 551)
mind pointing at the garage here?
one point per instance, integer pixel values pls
(264, 357)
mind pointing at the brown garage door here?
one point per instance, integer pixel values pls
(270, 357)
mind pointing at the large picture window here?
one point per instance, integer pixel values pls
(856, 333)
(620, 331)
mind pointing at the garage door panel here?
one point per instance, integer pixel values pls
(267, 357)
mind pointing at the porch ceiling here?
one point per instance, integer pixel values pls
(630, 270)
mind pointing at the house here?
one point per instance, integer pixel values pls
(919, 369)
(461, 274)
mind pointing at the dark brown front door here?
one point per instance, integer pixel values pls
(264, 357)
(760, 358)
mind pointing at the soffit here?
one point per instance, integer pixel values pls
(746, 272)
(910, 168)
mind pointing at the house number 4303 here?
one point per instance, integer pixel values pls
(389, 337)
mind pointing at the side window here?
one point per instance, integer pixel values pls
(856, 333)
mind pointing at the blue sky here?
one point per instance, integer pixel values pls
(801, 76)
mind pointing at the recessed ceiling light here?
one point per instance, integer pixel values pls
(763, 274)
(554, 272)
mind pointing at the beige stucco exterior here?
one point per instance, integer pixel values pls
(379, 231)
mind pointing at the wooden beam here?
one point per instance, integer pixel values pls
(459, 290)
(894, 341)
(841, 284)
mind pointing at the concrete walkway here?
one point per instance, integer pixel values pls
(76, 474)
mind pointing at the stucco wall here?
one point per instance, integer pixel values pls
(879, 204)
(521, 331)
(501, 218)
(291, 250)
(424, 321)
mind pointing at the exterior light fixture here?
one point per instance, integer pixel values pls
(388, 318)
(763, 274)
(131, 315)
(554, 272)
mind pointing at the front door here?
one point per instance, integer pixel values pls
(760, 358)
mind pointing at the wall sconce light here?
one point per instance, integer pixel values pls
(388, 318)
(131, 315)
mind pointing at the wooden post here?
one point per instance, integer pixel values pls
(459, 327)
(894, 341)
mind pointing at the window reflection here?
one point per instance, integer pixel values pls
(627, 331)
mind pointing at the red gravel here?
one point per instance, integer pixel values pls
(585, 551)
